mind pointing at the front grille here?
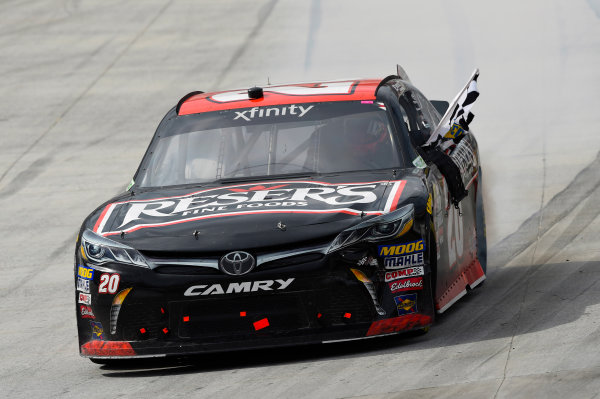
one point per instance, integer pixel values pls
(187, 270)
(292, 261)
(149, 316)
(354, 300)
(220, 319)
(208, 263)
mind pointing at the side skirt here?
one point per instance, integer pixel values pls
(472, 276)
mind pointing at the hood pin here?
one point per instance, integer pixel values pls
(281, 226)
(196, 232)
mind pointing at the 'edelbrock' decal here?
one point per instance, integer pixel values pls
(246, 199)
(236, 288)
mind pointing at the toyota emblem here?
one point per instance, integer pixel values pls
(237, 263)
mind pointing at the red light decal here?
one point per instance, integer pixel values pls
(263, 323)
(165, 330)
(185, 319)
(107, 348)
(143, 330)
(242, 314)
(319, 315)
(401, 323)
(347, 315)
(162, 311)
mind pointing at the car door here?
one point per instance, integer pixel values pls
(454, 225)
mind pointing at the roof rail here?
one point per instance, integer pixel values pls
(184, 98)
(384, 81)
(400, 74)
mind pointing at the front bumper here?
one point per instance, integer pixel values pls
(325, 302)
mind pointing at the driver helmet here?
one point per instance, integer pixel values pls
(365, 135)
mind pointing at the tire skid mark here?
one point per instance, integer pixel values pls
(86, 90)
(263, 15)
(315, 24)
(22, 179)
(559, 207)
(586, 215)
(595, 6)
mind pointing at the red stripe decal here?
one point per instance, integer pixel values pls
(101, 217)
(397, 196)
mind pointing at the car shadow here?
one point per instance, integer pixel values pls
(513, 300)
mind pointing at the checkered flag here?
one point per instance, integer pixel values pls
(462, 112)
(455, 122)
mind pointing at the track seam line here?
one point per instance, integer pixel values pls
(85, 91)
(530, 271)
(263, 16)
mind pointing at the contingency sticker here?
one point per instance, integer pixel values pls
(87, 312)
(404, 273)
(401, 249)
(406, 304)
(402, 255)
(83, 285)
(85, 272)
(409, 284)
(97, 330)
(86, 299)
(399, 262)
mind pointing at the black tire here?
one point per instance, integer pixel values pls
(433, 267)
(422, 331)
(480, 225)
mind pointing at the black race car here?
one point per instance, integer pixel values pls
(285, 215)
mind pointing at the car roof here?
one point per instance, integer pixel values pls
(340, 90)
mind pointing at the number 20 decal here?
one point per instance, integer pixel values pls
(109, 283)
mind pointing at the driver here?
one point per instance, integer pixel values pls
(367, 138)
(356, 142)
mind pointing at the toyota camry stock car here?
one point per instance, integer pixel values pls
(283, 215)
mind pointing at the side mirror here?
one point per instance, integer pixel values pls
(440, 106)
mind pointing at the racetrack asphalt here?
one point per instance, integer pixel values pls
(84, 85)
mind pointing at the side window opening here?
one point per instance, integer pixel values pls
(418, 127)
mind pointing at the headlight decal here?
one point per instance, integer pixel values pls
(116, 308)
(360, 276)
(406, 228)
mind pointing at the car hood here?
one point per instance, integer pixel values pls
(251, 215)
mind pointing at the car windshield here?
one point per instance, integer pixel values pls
(271, 141)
